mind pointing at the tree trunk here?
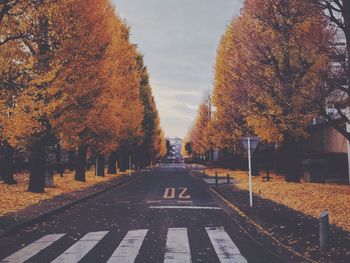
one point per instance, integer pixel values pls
(100, 165)
(293, 161)
(8, 166)
(59, 166)
(37, 166)
(112, 163)
(122, 161)
(71, 160)
(81, 164)
(346, 15)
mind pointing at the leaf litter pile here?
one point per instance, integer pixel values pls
(308, 198)
(16, 197)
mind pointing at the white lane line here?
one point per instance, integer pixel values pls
(224, 247)
(177, 249)
(128, 249)
(76, 252)
(185, 207)
(33, 248)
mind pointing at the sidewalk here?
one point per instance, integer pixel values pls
(292, 228)
(35, 213)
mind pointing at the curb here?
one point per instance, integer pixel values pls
(232, 207)
(241, 213)
(43, 216)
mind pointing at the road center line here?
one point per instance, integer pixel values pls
(185, 207)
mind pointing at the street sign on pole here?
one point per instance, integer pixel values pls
(250, 143)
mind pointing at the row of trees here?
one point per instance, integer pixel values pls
(71, 79)
(274, 73)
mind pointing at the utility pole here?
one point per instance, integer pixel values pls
(348, 142)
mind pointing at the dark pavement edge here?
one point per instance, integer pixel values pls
(37, 219)
(260, 229)
(251, 227)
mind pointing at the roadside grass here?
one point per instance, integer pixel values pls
(308, 198)
(16, 197)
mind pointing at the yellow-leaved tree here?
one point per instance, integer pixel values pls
(277, 52)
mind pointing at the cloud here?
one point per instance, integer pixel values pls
(179, 39)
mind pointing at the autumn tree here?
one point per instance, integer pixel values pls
(150, 148)
(75, 80)
(14, 30)
(200, 134)
(228, 97)
(100, 80)
(27, 124)
(277, 53)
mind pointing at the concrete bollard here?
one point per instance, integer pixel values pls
(228, 179)
(324, 231)
(216, 179)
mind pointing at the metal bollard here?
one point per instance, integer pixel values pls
(216, 179)
(228, 179)
(324, 231)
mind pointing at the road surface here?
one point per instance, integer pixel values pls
(167, 215)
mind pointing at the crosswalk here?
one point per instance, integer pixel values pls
(177, 247)
(172, 166)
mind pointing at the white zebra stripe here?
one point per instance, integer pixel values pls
(224, 247)
(32, 249)
(177, 248)
(128, 249)
(76, 252)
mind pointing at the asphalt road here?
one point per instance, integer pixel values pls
(165, 216)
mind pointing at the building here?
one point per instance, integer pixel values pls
(176, 144)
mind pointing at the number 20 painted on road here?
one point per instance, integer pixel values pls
(171, 192)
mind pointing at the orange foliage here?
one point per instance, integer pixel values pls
(269, 69)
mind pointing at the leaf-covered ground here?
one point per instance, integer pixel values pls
(308, 198)
(16, 197)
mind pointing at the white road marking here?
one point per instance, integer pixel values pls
(185, 207)
(224, 247)
(183, 194)
(177, 248)
(154, 201)
(184, 202)
(76, 252)
(32, 249)
(128, 249)
(220, 181)
(169, 193)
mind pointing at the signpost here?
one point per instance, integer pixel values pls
(250, 143)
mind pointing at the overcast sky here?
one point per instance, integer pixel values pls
(179, 39)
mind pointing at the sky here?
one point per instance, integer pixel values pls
(178, 39)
